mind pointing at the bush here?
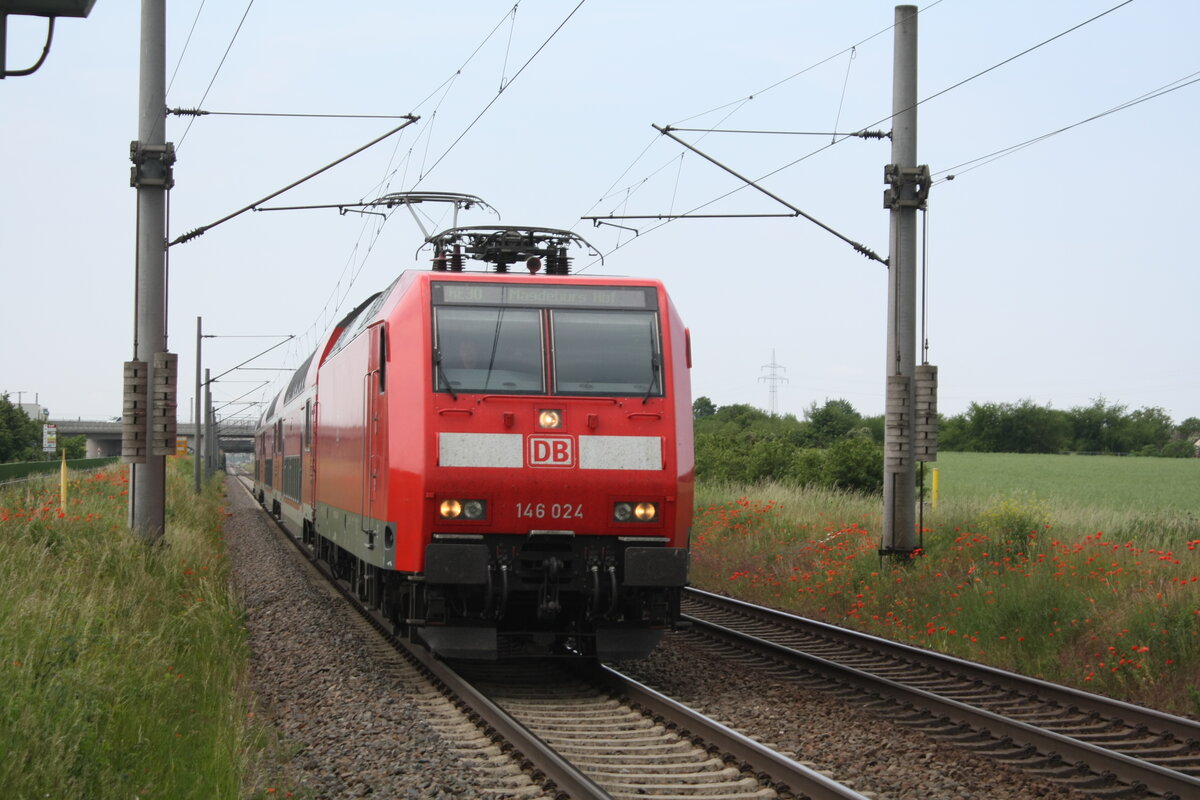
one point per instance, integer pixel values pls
(1179, 448)
(742, 444)
(806, 468)
(1015, 520)
(855, 464)
(769, 458)
(719, 460)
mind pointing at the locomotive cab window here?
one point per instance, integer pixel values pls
(606, 353)
(495, 350)
(547, 339)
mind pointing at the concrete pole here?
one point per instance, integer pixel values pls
(899, 476)
(147, 481)
(196, 438)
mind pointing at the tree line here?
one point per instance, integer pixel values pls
(836, 447)
(833, 446)
(1102, 427)
(21, 437)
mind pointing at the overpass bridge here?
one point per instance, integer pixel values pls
(104, 437)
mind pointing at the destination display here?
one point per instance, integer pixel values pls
(543, 296)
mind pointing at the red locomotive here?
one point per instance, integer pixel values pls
(501, 464)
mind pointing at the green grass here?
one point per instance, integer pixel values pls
(122, 665)
(1155, 501)
(1026, 565)
(1109, 482)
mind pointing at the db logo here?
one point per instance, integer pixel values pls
(551, 451)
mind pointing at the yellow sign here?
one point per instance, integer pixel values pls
(181, 448)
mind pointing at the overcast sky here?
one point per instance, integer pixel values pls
(1060, 273)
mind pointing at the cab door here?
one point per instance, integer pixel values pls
(374, 465)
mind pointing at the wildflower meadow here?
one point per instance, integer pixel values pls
(122, 664)
(1015, 581)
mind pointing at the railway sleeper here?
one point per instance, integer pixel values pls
(1091, 781)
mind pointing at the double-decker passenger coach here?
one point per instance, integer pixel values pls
(500, 463)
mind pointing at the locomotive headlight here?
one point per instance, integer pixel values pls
(463, 509)
(550, 418)
(645, 512)
(635, 512)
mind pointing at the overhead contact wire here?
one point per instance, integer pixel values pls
(186, 42)
(508, 47)
(333, 304)
(984, 160)
(492, 102)
(217, 72)
(882, 120)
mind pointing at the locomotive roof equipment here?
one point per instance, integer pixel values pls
(502, 246)
(461, 202)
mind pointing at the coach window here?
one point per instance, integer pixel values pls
(606, 353)
(488, 350)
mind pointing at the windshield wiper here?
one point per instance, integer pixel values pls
(654, 365)
(437, 361)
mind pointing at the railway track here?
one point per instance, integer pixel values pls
(636, 743)
(1092, 743)
(589, 732)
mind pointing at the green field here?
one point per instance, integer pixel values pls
(1155, 501)
(1083, 570)
(1114, 483)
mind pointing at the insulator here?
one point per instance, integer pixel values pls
(439, 261)
(456, 259)
(558, 262)
(501, 266)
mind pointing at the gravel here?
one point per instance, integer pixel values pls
(362, 724)
(877, 757)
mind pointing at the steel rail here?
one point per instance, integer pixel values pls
(1179, 727)
(547, 766)
(1137, 772)
(545, 760)
(553, 771)
(782, 772)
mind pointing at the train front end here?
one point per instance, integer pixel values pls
(559, 485)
